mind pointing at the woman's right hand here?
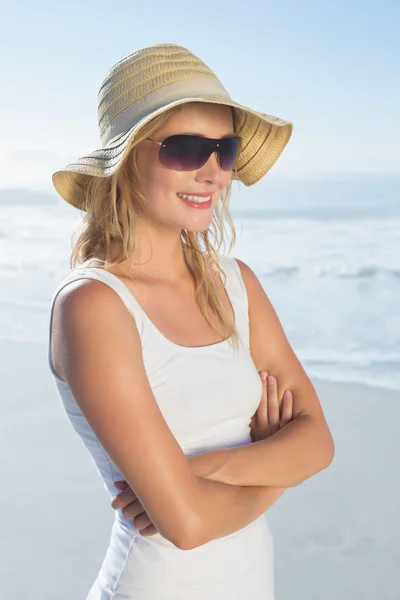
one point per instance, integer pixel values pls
(271, 415)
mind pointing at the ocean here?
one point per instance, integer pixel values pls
(327, 253)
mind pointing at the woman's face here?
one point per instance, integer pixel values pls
(162, 186)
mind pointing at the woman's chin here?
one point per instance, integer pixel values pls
(196, 226)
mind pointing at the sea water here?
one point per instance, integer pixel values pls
(327, 253)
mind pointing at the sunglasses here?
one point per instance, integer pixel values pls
(190, 152)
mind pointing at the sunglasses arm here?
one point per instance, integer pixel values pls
(155, 142)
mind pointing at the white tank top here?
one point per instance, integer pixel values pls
(207, 395)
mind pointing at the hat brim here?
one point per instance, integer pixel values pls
(263, 139)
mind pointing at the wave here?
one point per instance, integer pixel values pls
(362, 272)
(351, 355)
(277, 270)
(331, 271)
(267, 272)
(361, 366)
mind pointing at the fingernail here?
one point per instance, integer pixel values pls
(287, 394)
(264, 375)
(271, 380)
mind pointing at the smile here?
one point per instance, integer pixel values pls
(196, 199)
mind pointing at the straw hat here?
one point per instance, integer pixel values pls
(150, 81)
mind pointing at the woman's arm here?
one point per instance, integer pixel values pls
(283, 460)
(226, 514)
(255, 500)
(269, 417)
(305, 446)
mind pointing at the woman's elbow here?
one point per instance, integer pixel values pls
(326, 448)
(330, 451)
(189, 539)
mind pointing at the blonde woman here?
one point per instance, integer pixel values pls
(159, 343)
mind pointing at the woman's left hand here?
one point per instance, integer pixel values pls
(271, 414)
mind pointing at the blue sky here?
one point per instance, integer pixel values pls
(330, 67)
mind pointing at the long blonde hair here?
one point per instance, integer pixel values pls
(115, 207)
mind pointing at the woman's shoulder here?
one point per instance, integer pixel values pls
(242, 269)
(235, 266)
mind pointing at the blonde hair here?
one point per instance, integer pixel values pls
(115, 207)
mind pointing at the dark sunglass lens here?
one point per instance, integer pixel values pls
(182, 153)
(229, 149)
(191, 152)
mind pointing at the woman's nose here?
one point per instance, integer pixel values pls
(210, 171)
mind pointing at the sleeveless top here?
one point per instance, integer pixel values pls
(207, 395)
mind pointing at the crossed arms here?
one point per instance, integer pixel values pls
(260, 472)
(186, 509)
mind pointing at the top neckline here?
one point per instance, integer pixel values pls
(127, 291)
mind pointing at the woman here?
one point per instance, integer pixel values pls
(171, 401)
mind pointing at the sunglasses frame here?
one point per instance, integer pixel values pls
(215, 151)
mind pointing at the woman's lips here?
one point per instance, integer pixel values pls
(198, 205)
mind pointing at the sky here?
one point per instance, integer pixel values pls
(332, 68)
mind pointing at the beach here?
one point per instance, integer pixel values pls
(327, 255)
(336, 535)
(317, 222)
